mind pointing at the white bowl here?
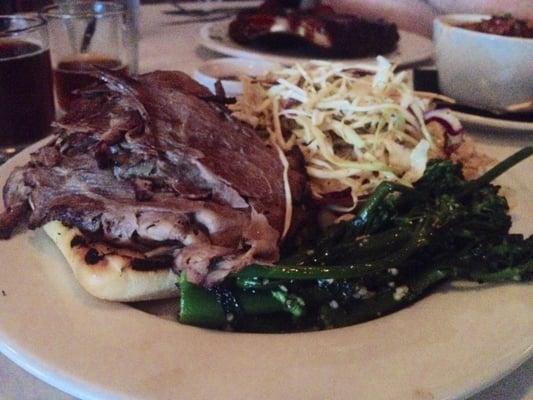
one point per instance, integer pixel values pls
(211, 71)
(479, 69)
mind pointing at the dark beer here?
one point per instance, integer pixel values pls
(70, 76)
(26, 96)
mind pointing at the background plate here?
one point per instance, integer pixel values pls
(481, 123)
(451, 344)
(426, 79)
(412, 48)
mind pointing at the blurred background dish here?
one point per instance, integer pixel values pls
(313, 30)
(479, 122)
(426, 79)
(479, 69)
(411, 49)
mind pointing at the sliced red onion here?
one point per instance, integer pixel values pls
(445, 116)
(452, 126)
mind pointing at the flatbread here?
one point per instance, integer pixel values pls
(111, 277)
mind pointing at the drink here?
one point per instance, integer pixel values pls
(71, 75)
(26, 97)
(85, 33)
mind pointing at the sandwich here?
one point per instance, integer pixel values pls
(149, 176)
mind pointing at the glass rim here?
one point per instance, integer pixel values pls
(36, 22)
(110, 8)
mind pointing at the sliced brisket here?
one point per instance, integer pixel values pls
(152, 163)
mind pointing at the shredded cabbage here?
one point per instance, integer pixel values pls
(354, 128)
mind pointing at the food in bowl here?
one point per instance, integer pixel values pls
(504, 25)
(481, 70)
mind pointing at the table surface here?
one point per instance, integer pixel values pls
(167, 43)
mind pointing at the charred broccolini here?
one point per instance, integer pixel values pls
(403, 242)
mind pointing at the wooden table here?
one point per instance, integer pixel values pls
(168, 46)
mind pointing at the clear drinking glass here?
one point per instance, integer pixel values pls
(85, 34)
(26, 95)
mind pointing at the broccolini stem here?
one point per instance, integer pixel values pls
(199, 306)
(419, 239)
(292, 304)
(355, 227)
(368, 247)
(366, 214)
(517, 273)
(383, 303)
(497, 170)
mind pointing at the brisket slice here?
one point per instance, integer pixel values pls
(153, 163)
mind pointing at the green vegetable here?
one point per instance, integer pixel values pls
(202, 307)
(497, 170)
(353, 271)
(402, 243)
(198, 306)
(384, 302)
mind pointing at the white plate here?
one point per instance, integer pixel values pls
(211, 71)
(411, 49)
(449, 345)
(481, 123)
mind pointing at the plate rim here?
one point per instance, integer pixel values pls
(70, 383)
(363, 62)
(85, 390)
(495, 123)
